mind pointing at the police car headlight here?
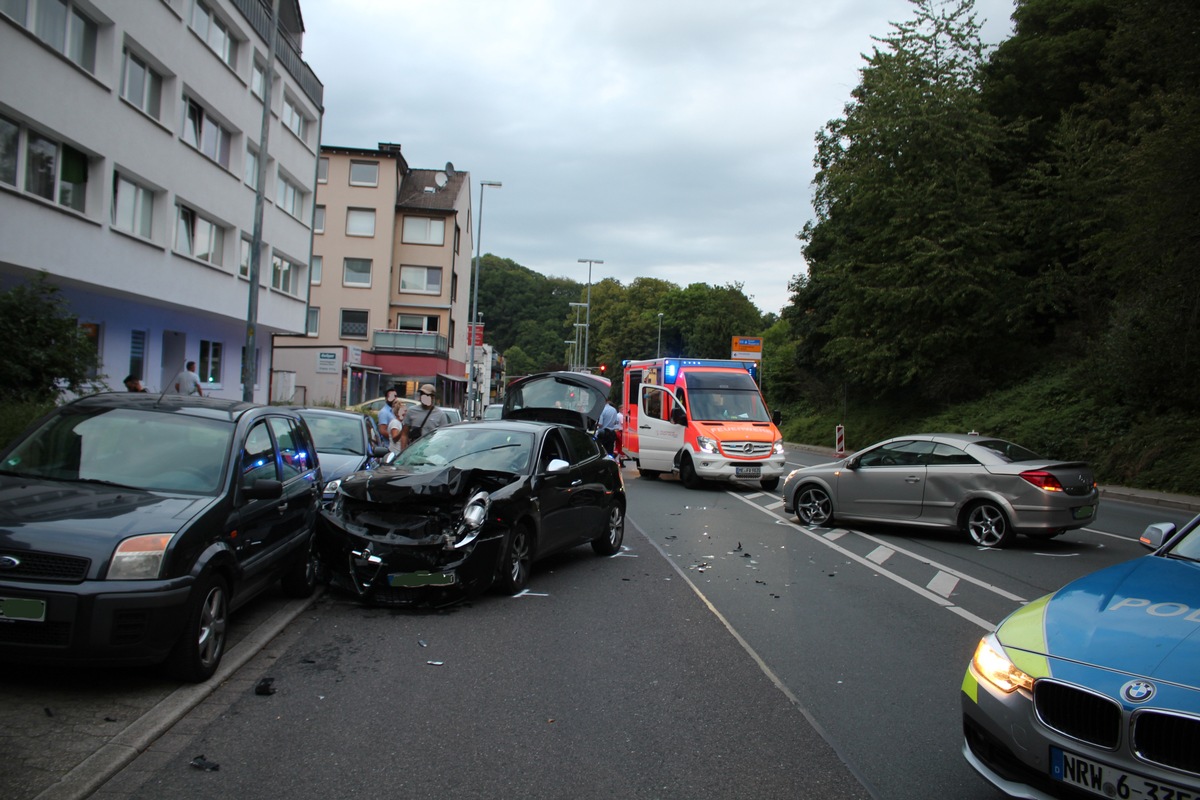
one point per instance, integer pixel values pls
(778, 447)
(706, 445)
(474, 514)
(994, 666)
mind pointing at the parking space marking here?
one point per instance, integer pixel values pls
(775, 505)
(943, 583)
(880, 554)
(527, 593)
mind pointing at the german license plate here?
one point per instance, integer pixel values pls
(1108, 781)
(1082, 512)
(22, 608)
(421, 579)
(747, 472)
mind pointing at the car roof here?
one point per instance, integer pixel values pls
(329, 412)
(208, 407)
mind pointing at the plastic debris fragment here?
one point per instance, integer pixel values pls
(423, 643)
(435, 663)
(200, 762)
(264, 686)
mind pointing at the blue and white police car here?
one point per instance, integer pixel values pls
(1094, 690)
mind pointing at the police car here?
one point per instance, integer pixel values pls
(1095, 690)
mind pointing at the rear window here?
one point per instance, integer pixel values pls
(1007, 450)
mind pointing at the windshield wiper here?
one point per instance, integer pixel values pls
(113, 484)
(1182, 557)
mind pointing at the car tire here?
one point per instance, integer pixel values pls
(649, 474)
(614, 533)
(770, 484)
(513, 573)
(987, 525)
(813, 506)
(198, 652)
(300, 578)
(687, 473)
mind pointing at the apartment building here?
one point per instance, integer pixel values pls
(129, 168)
(390, 282)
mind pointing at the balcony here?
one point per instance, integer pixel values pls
(409, 342)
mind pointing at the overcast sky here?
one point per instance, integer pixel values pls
(669, 138)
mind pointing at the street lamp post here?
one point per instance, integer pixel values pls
(658, 348)
(578, 325)
(587, 331)
(472, 328)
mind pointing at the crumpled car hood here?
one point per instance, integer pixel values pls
(396, 485)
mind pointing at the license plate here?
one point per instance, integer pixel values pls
(421, 579)
(1108, 781)
(747, 472)
(22, 608)
(1082, 512)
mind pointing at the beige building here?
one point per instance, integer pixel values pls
(391, 272)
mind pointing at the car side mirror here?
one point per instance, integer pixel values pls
(557, 465)
(852, 463)
(379, 451)
(1156, 533)
(777, 418)
(264, 489)
(679, 416)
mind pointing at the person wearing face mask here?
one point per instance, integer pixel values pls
(421, 419)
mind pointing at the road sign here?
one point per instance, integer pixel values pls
(747, 348)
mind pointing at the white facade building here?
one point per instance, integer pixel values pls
(129, 146)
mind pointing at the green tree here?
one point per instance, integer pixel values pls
(906, 290)
(46, 352)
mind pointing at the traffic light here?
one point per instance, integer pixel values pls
(603, 367)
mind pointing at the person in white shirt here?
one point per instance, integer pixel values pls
(187, 382)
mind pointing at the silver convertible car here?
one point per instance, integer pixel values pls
(988, 488)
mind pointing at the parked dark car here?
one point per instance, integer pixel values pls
(473, 506)
(131, 525)
(346, 442)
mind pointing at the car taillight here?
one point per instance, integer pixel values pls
(1043, 480)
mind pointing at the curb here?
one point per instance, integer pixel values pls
(94, 771)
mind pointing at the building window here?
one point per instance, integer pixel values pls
(357, 272)
(137, 354)
(140, 84)
(289, 197)
(215, 33)
(132, 207)
(416, 322)
(285, 275)
(258, 79)
(293, 118)
(354, 324)
(322, 170)
(319, 219)
(49, 164)
(360, 222)
(421, 280)
(364, 173)
(251, 175)
(318, 264)
(61, 25)
(205, 134)
(244, 264)
(424, 230)
(10, 135)
(313, 327)
(199, 238)
(209, 365)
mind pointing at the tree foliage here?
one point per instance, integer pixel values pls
(45, 352)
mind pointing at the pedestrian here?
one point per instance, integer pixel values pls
(606, 428)
(394, 428)
(386, 414)
(618, 445)
(133, 384)
(187, 382)
(419, 420)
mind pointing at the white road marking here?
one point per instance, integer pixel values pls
(775, 505)
(943, 583)
(832, 536)
(880, 554)
(527, 593)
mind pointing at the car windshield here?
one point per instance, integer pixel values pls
(710, 405)
(140, 449)
(469, 447)
(333, 433)
(554, 391)
(1007, 450)
(1189, 546)
(493, 411)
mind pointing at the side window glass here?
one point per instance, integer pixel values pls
(583, 446)
(944, 454)
(652, 403)
(258, 456)
(552, 448)
(681, 397)
(295, 454)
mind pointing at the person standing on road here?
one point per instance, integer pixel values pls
(386, 414)
(392, 434)
(606, 428)
(421, 419)
(187, 382)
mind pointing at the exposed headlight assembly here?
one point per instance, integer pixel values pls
(474, 514)
(706, 445)
(139, 558)
(994, 666)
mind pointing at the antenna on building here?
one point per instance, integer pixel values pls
(449, 169)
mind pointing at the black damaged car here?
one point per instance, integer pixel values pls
(472, 506)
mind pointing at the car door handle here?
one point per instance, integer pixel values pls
(912, 479)
(577, 482)
(282, 508)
